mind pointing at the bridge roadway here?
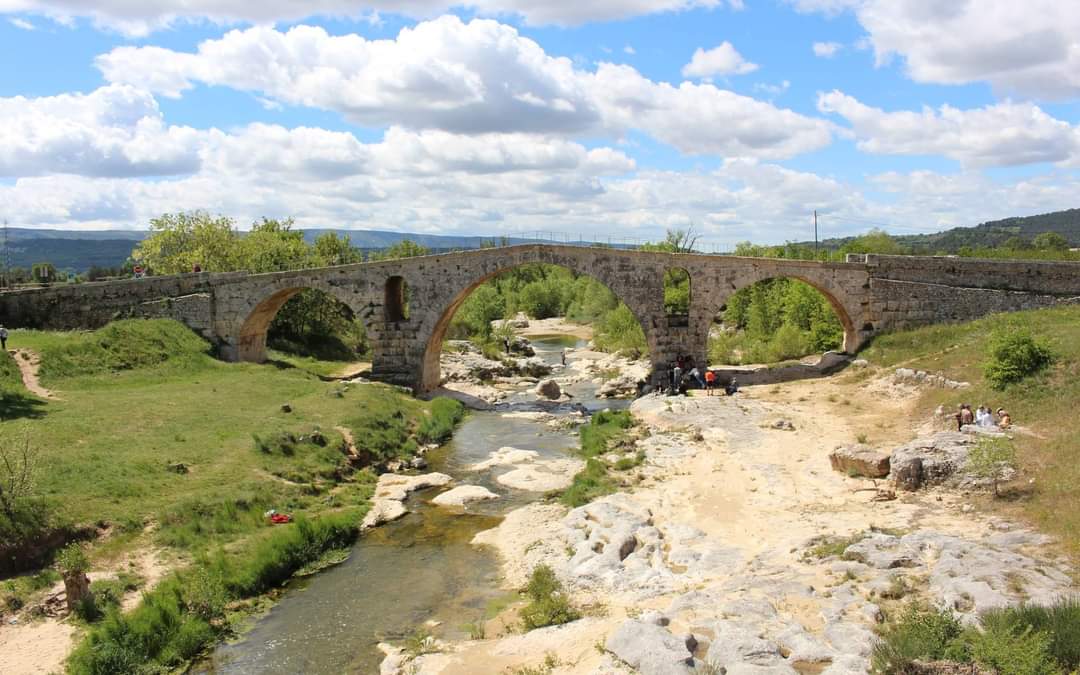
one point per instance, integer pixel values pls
(233, 310)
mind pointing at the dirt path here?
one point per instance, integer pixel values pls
(29, 362)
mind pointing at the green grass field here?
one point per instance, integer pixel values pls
(1046, 403)
(137, 397)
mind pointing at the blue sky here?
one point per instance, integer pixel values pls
(622, 117)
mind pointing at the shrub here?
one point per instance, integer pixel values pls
(1061, 621)
(991, 458)
(920, 633)
(1013, 355)
(548, 604)
(1013, 650)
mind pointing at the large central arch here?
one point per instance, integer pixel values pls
(430, 375)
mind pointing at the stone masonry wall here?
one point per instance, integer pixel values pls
(1042, 277)
(233, 310)
(897, 305)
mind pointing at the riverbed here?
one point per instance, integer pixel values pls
(417, 571)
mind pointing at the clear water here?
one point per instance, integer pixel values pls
(404, 573)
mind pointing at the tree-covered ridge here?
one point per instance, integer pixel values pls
(1016, 235)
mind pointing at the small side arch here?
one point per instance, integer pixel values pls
(251, 333)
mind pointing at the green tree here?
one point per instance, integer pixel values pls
(179, 241)
(1015, 243)
(992, 459)
(1050, 241)
(875, 241)
(330, 249)
(405, 248)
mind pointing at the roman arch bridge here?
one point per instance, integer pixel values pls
(233, 310)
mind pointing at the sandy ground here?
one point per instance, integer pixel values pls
(555, 326)
(29, 362)
(757, 493)
(40, 646)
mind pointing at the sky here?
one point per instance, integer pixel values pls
(599, 119)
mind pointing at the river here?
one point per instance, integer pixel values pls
(417, 569)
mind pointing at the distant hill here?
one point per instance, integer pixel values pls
(77, 250)
(989, 234)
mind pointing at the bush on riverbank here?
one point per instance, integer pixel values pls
(548, 602)
(1024, 640)
(185, 612)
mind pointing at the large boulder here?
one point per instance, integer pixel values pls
(933, 460)
(549, 389)
(464, 494)
(860, 460)
(650, 649)
(623, 386)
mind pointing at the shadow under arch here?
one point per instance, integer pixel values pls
(852, 339)
(430, 374)
(251, 337)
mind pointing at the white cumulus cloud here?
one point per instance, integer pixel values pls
(1001, 134)
(723, 59)
(468, 78)
(1031, 48)
(117, 130)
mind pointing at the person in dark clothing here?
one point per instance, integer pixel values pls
(3, 338)
(732, 387)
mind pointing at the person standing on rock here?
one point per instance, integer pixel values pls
(676, 378)
(506, 343)
(562, 356)
(3, 338)
(710, 382)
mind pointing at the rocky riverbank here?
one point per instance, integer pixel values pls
(739, 547)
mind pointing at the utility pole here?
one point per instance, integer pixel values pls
(815, 235)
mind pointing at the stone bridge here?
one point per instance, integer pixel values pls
(870, 294)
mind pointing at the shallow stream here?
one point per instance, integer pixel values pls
(410, 571)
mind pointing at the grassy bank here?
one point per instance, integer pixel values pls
(162, 445)
(606, 431)
(1044, 402)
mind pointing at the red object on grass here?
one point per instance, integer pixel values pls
(279, 518)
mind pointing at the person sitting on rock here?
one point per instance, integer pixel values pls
(732, 387)
(695, 375)
(1004, 418)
